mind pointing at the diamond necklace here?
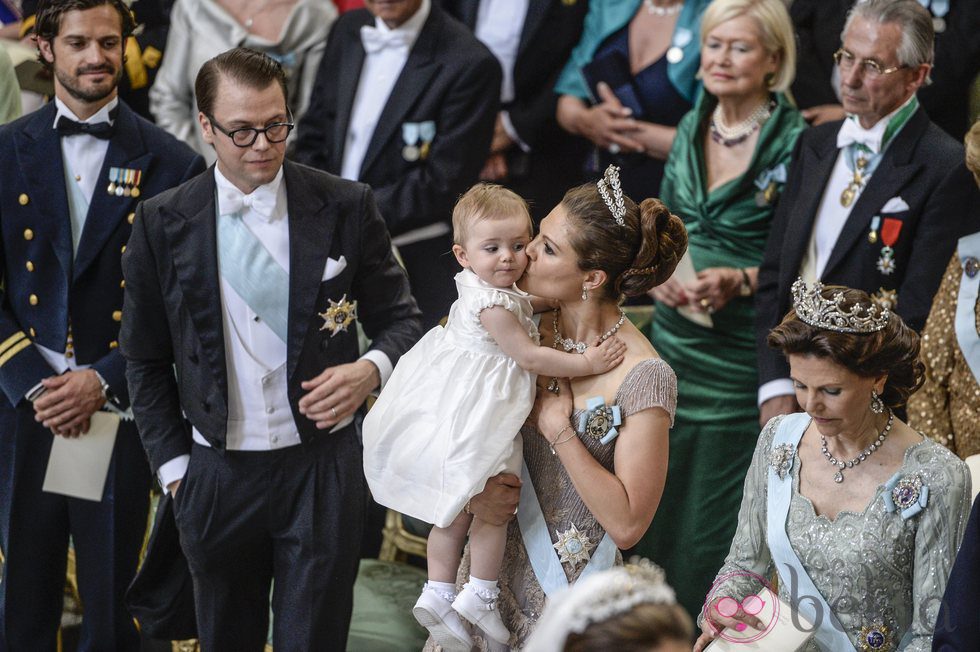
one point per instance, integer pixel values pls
(875, 445)
(735, 134)
(569, 345)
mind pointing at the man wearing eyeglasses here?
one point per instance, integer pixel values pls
(249, 279)
(875, 201)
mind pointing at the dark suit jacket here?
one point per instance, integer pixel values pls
(924, 167)
(819, 24)
(551, 29)
(173, 315)
(958, 623)
(36, 257)
(449, 78)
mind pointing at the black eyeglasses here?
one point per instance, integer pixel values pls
(246, 136)
(869, 67)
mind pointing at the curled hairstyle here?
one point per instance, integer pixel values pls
(487, 201)
(637, 630)
(914, 20)
(775, 31)
(893, 351)
(972, 142)
(240, 65)
(50, 12)
(635, 257)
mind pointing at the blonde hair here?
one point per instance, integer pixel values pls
(775, 31)
(972, 142)
(487, 201)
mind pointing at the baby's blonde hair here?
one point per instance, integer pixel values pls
(487, 201)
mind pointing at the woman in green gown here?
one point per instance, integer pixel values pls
(723, 178)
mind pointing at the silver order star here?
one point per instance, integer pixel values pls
(886, 265)
(572, 546)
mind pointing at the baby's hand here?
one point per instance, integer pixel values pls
(607, 355)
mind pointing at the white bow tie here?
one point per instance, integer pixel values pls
(375, 40)
(261, 201)
(852, 132)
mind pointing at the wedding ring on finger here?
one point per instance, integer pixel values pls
(706, 306)
(614, 148)
(334, 410)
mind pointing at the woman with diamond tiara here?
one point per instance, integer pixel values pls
(595, 448)
(859, 515)
(447, 418)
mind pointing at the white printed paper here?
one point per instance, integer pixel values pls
(78, 467)
(686, 275)
(782, 634)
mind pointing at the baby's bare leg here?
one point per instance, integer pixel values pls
(445, 548)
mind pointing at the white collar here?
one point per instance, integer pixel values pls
(412, 26)
(877, 131)
(267, 201)
(102, 115)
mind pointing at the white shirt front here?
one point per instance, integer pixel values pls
(379, 73)
(84, 154)
(499, 24)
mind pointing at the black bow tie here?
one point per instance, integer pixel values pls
(104, 130)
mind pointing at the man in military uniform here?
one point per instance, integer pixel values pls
(71, 176)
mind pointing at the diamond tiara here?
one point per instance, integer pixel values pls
(615, 201)
(812, 308)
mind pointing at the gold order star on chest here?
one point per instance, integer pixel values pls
(339, 315)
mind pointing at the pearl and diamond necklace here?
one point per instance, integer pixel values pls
(568, 344)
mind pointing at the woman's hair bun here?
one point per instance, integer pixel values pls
(663, 241)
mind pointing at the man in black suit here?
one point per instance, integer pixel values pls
(71, 174)
(818, 26)
(532, 39)
(875, 202)
(405, 101)
(958, 622)
(249, 279)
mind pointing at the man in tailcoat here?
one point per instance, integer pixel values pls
(532, 40)
(874, 202)
(405, 101)
(71, 175)
(248, 280)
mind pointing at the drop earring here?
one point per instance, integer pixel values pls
(585, 293)
(877, 405)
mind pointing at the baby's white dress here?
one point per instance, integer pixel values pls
(449, 416)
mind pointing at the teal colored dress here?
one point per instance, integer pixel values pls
(717, 421)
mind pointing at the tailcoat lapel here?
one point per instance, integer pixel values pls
(817, 161)
(191, 227)
(38, 150)
(347, 80)
(126, 150)
(412, 83)
(312, 222)
(893, 173)
(536, 11)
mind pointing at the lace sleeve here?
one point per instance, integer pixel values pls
(937, 540)
(749, 553)
(650, 383)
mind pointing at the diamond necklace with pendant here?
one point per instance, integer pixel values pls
(841, 464)
(569, 345)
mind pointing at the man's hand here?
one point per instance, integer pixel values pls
(336, 393)
(777, 405)
(69, 401)
(495, 169)
(501, 139)
(497, 503)
(173, 487)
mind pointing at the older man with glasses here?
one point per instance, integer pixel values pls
(876, 201)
